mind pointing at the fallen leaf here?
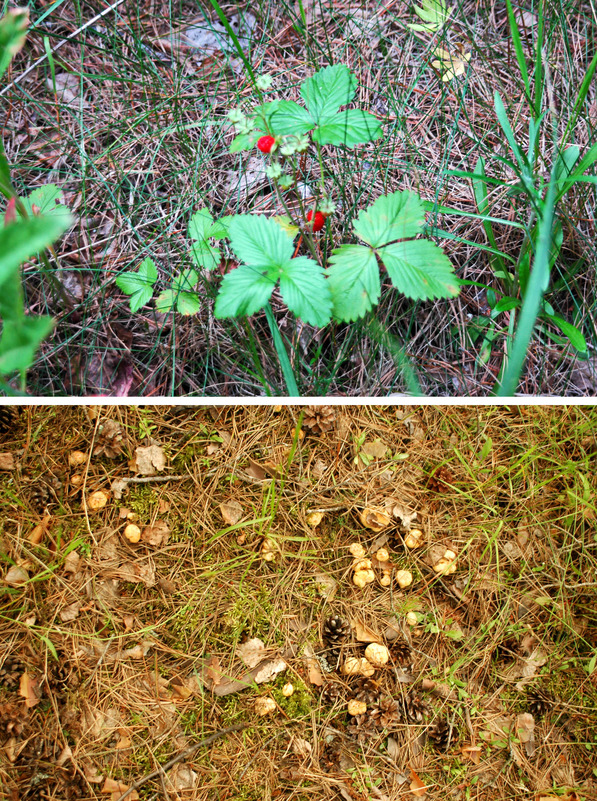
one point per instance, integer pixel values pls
(124, 741)
(148, 460)
(525, 729)
(7, 461)
(70, 612)
(326, 585)
(255, 471)
(71, 562)
(116, 789)
(300, 747)
(472, 753)
(15, 576)
(417, 787)
(269, 670)
(375, 449)
(64, 756)
(37, 534)
(231, 511)
(119, 486)
(28, 689)
(251, 652)
(158, 534)
(364, 634)
(182, 777)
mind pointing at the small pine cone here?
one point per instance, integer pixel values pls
(40, 497)
(389, 712)
(364, 689)
(401, 653)
(10, 672)
(12, 720)
(414, 708)
(331, 692)
(109, 440)
(335, 630)
(8, 416)
(439, 734)
(364, 726)
(538, 703)
(319, 419)
(439, 480)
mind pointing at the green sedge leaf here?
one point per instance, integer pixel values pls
(22, 239)
(305, 291)
(20, 340)
(396, 216)
(353, 280)
(290, 118)
(420, 270)
(259, 241)
(349, 128)
(577, 340)
(244, 291)
(328, 89)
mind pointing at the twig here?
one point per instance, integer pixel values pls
(179, 757)
(147, 479)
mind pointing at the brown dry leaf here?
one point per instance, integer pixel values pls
(375, 449)
(251, 652)
(163, 506)
(148, 460)
(472, 753)
(231, 511)
(37, 534)
(28, 689)
(124, 740)
(129, 622)
(183, 777)
(301, 747)
(525, 729)
(255, 471)
(268, 670)
(70, 612)
(15, 576)
(158, 534)
(417, 787)
(119, 486)
(212, 672)
(7, 461)
(314, 673)
(116, 789)
(364, 634)
(64, 756)
(71, 562)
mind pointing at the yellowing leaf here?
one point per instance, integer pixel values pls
(28, 690)
(286, 224)
(417, 787)
(451, 64)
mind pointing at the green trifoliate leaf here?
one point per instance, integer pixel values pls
(259, 241)
(201, 228)
(290, 118)
(242, 142)
(184, 302)
(327, 90)
(139, 285)
(200, 224)
(244, 290)
(353, 279)
(396, 216)
(185, 281)
(349, 128)
(236, 116)
(420, 270)
(274, 171)
(47, 199)
(305, 291)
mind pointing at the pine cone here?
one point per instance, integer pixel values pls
(330, 756)
(439, 734)
(335, 631)
(364, 689)
(11, 671)
(40, 497)
(538, 703)
(440, 478)
(389, 712)
(109, 440)
(8, 415)
(364, 726)
(12, 720)
(331, 692)
(319, 419)
(413, 708)
(401, 653)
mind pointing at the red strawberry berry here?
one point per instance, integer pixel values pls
(266, 143)
(318, 221)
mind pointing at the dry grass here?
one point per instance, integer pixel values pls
(143, 154)
(131, 677)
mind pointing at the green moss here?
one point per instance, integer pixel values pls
(297, 706)
(143, 501)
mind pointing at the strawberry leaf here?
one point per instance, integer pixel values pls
(420, 270)
(396, 216)
(349, 128)
(304, 289)
(201, 227)
(19, 341)
(244, 290)
(290, 118)
(22, 239)
(327, 90)
(259, 241)
(353, 280)
(139, 285)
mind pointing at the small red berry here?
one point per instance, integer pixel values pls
(266, 143)
(319, 220)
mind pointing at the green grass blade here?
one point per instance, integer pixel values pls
(522, 64)
(287, 372)
(582, 95)
(224, 20)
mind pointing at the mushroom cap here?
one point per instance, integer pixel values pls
(377, 654)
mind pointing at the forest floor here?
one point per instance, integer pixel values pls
(122, 648)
